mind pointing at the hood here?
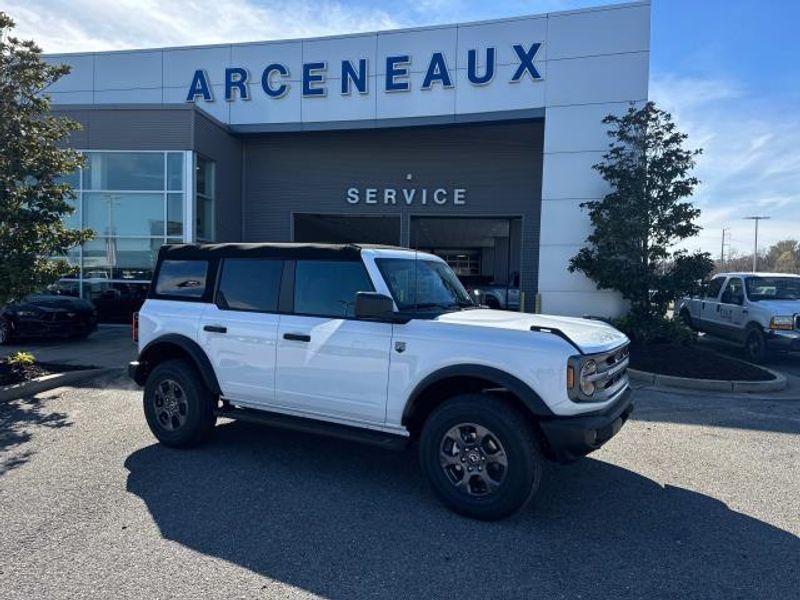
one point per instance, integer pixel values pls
(589, 335)
(780, 307)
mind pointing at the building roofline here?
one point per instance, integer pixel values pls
(599, 8)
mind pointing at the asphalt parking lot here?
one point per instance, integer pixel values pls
(698, 496)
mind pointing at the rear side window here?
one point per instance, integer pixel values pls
(182, 278)
(328, 288)
(712, 291)
(250, 284)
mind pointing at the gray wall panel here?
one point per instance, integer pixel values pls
(213, 141)
(499, 164)
(132, 129)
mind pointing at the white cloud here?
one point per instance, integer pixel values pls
(85, 25)
(750, 162)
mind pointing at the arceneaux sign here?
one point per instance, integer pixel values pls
(354, 76)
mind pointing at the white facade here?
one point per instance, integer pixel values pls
(589, 63)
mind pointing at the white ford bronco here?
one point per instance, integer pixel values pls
(761, 311)
(380, 345)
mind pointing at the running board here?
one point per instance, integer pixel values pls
(343, 432)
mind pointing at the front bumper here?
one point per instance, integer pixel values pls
(569, 438)
(786, 341)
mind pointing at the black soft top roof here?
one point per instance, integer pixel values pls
(264, 250)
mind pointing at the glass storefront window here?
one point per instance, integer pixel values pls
(204, 200)
(175, 214)
(134, 202)
(123, 171)
(174, 171)
(118, 214)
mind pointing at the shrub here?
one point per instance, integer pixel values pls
(654, 330)
(21, 359)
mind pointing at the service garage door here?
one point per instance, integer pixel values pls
(370, 185)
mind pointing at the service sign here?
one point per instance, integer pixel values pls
(352, 76)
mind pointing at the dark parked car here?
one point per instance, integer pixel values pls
(47, 316)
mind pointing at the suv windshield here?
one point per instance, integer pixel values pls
(773, 288)
(423, 284)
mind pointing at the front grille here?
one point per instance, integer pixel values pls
(611, 376)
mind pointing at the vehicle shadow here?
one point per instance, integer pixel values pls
(18, 419)
(344, 521)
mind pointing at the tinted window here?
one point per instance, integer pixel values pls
(328, 288)
(712, 291)
(250, 284)
(734, 292)
(185, 278)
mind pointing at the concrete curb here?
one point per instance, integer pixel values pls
(48, 382)
(711, 385)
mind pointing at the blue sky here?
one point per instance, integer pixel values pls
(727, 69)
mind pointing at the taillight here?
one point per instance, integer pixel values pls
(135, 327)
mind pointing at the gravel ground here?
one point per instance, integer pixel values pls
(698, 497)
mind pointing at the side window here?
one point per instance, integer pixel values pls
(182, 278)
(712, 291)
(734, 292)
(250, 284)
(328, 288)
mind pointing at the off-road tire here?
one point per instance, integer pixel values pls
(516, 436)
(198, 402)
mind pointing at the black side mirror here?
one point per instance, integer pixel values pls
(375, 306)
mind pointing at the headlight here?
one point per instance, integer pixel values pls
(26, 313)
(589, 368)
(782, 322)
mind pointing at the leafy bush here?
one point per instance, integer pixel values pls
(649, 330)
(21, 359)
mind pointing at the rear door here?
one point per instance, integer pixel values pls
(239, 331)
(329, 363)
(709, 305)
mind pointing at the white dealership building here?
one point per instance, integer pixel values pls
(474, 141)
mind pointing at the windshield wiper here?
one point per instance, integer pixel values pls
(444, 305)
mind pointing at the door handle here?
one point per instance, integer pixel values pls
(297, 337)
(215, 328)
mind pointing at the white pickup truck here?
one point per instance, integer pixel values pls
(380, 345)
(761, 311)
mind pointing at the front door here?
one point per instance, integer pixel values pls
(330, 364)
(240, 331)
(731, 309)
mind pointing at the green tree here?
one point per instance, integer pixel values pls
(784, 257)
(633, 247)
(33, 198)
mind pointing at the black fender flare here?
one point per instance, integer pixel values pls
(501, 379)
(187, 345)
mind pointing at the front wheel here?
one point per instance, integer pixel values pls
(755, 346)
(179, 409)
(481, 456)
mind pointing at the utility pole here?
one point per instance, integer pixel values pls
(756, 219)
(725, 231)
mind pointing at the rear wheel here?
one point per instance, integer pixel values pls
(755, 346)
(687, 319)
(481, 456)
(178, 408)
(5, 331)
